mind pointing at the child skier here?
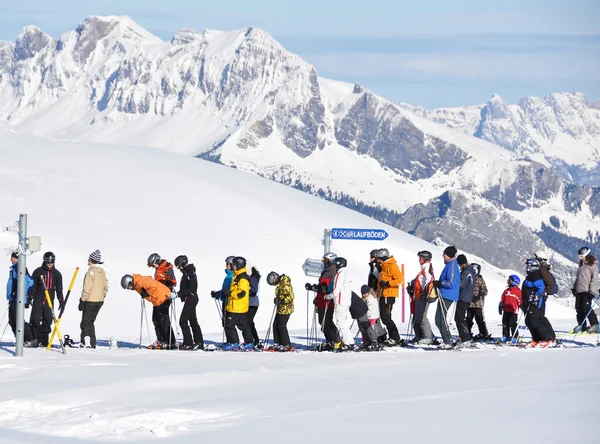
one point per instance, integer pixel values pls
(510, 302)
(359, 311)
(370, 298)
(284, 301)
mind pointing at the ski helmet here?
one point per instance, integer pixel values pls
(532, 265)
(154, 259)
(340, 262)
(229, 260)
(373, 253)
(181, 261)
(425, 255)
(514, 279)
(583, 252)
(541, 255)
(127, 282)
(329, 257)
(273, 278)
(238, 262)
(383, 254)
(49, 257)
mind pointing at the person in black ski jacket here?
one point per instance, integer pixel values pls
(188, 293)
(41, 314)
(375, 268)
(254, 302)
(533, 293)
(468, 274)
(358, 311)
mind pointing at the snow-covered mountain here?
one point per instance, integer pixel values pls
(240, 99)
(562, 130)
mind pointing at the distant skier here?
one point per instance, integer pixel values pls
(157, 294)
(284, 301)
(509, 305)
(165, 274)
(236, 314)
(468, 275)
(585, 290)
(254, 302)
(341, 295)
(41, 314)
(449, 285)
(95, 288)
(11, 296)
(476, 310)
(533, 292)
(188, 293)
(390, 279)
(423, 284)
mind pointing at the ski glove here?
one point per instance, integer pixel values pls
(500, 308)
(573, 291)
(81, 305)
(275, 301)
(144, 294)
(437, 284)
(308, 286)
(384, 284)
(214, 294)
(330, 296)
(241, 294)
(173, 295)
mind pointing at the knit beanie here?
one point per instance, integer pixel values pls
(462, 259)
(96, 257)
(450, 251)
(365, 289)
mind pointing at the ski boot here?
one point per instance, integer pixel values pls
(229, 346)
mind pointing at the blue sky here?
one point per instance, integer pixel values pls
(430, 52)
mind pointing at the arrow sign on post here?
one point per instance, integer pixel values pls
(358, 234)
(313, 267)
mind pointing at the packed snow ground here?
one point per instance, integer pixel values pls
(130, 202)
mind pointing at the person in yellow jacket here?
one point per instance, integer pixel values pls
(388, 288)
(157, 294)
(236, 311)
(95, 287)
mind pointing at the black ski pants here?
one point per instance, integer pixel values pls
(239, 320)
(189, 322)
(329, 329)
(509, 325)
(460, 318)
(545, 321)
(251, 313)
(583, 304)
(385, 310)
(41, 320)
(535, 324)
(88, 317)
(12, 321)
(280, 331)
(479, 317)
(162, 323)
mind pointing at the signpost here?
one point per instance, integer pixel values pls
(358, 234)
(313, 267)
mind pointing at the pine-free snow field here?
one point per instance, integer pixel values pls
(132, 395)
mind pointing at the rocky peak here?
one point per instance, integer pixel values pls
(30, 41)
(497, 108)
(185, 36)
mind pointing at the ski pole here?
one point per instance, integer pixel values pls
(270, 326)
(580, 326)
(49, 301)
(6, 326)
(522, 317)
(5, 313)
(307, 315)
(62, 309)
(141, 320)
(175, 314)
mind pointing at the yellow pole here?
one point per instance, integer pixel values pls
(57, 322)
(49, 302)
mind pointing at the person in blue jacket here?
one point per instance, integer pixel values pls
(534, 292)
(11, 296)
(449, 286)
(224, 291)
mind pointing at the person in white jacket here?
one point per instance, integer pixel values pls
(341, 295)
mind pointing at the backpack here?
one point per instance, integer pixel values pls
(28, 286)
(554, 284)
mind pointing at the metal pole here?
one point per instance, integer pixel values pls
(326, 241)
(22, 268)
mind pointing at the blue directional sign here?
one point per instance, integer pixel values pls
(358, 234)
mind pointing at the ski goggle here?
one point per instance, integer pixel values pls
(49, 260)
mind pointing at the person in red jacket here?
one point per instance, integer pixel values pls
(325, 307)
(510, 302)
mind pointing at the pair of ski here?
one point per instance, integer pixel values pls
(56, 330)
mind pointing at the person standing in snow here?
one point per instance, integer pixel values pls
(370, 298)
(236, 313)
(390, 279)
(222, 293)
(188, 293)
(421, 289)
(509, 305)
(375, 268)
(549, 285)
(585, 290)
(46, 276)
(341, 295)
(533, 292)
(475, 311)
(284, 301)
(11, 296)
(165, 274)
(95, 288)
(468, 275)
(157, 294)
(359, 311)
(449, 285)
(253, 308)
(324, 307)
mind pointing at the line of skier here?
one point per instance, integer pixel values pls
(459, 292)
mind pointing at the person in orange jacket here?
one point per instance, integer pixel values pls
(389, 281)
(157, 294)
(165, 274)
